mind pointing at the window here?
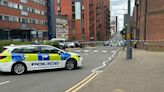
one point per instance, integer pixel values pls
(1, 2)
(6, 18)
(24, 20)
(20, 7)
(25, 8)
(23, 1)
(15, 6)
(24, 13)
(48, 50)
(30, 50)
(5, 3)
(18, 50)
(15, 19)
(1, 17)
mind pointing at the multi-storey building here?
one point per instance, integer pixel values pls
(21, 18)
(88, 19)
(35, 19)
(148, 23)
(148, 19)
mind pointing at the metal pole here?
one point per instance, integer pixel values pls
(129, 48)
(145, 25)
(116, 24)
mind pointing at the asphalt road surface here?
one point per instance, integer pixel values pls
(57, 80)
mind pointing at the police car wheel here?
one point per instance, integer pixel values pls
(19, 68)
(70, 64)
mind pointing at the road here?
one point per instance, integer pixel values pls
(57, 80)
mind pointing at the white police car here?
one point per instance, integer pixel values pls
(19, 59)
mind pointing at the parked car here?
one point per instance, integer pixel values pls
(77, 44)
(62, 42)
(70, 44)
(107, 43)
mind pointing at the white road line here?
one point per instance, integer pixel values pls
(2, 83)
(78, 50)
(87, 50)
(104, 64)
(113, 51)
(95, 51)
(104, 51)
(86, 54)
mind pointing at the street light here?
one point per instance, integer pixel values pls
(129, 48)
(137, 3)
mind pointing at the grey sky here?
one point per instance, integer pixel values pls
(118, 8)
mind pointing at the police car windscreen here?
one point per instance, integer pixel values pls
(2, 49)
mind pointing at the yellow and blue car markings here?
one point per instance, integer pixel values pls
(40, 57)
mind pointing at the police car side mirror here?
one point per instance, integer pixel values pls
(59, 52)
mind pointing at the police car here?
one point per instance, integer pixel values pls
(19, 59)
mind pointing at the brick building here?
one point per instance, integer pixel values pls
(148, 19)
(88, 19)
(21, 18)
(35, 19)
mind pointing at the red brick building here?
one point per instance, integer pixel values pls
(88, 19)
(148, 19)
(21, 18)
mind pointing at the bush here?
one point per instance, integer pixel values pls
(9, 42)
(55, 44)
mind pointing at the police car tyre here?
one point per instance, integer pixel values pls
(70, 64)
(18, 68)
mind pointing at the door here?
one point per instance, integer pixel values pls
(50, 57)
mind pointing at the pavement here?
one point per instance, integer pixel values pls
(144, 73)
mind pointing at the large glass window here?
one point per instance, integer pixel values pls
(6, 18)
(1, 17)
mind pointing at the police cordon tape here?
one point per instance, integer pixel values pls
(94, 42)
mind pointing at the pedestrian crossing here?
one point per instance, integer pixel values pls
(93, 51)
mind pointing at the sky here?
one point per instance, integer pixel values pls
(119, 8)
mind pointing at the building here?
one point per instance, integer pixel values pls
(113, 25)
(62, 27)
(148, 19)
(88, 19)
(23, 19)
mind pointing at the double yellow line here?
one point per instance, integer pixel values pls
(81, 84)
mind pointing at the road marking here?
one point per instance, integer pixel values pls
(104, 51)
(95, 51)
(78, 50)
(113, 51)
(82, 83)
(2, 83)
(104, 64)
(86, 50)
(86, 53)
(94, 73)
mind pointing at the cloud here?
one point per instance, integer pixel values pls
(119, 8)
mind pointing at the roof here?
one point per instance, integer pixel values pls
(16, 46)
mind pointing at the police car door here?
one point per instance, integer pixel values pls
(50, 57)
(31, 57)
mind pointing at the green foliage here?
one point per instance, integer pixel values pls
(55, 44)
(9, 42)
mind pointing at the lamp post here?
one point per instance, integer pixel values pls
(129, 48)
(137, 3)
(145, 24)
